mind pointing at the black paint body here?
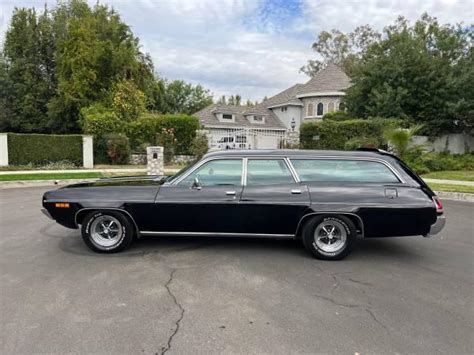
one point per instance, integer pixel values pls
(156, 204)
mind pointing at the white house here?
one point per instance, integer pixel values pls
(269, 123)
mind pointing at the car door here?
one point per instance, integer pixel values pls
(272, 200)
(204, 201)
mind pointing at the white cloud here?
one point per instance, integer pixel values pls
(249, 47)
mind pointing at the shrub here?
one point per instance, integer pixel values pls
(128, 102)
(99, 121)
(118, 149)
(330, 134)
(362, 142)
(146, 128)
(43, 149)
(199, 145)
(338, 116)
(423, 162)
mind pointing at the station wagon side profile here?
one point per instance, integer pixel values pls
(328, 199)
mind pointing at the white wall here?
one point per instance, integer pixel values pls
(288, 115)
(3, 149)
(452, 143)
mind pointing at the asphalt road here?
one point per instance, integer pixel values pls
(399, 295)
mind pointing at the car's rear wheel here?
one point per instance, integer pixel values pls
(329, 237)
(107, 231)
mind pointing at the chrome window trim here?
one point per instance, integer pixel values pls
(394, 172)
(293, 170)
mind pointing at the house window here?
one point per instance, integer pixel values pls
(310, 112)
(284, 108)
(320, 109)
(331, 107)
(227, 116)
(342, 107)
(258, 118)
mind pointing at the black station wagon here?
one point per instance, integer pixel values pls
(325, 198)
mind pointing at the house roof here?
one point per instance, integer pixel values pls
(331, 78)
(207, 116)
(330, 81)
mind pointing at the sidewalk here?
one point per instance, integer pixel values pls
(449, 182)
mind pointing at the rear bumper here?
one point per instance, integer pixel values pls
(438, 225)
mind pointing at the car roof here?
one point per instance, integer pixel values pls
(297, 153)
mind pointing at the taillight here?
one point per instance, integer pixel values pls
(438, 203)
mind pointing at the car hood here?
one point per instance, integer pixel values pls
(108, 191)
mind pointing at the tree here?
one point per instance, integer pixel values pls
(419, 72)
(27, 78)
(178, 96)
(340, 48)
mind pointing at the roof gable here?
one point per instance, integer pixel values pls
(331, 78)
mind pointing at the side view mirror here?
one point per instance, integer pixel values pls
(196, 184)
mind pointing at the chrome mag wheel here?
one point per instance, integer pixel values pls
(106, 231)
(330, 236)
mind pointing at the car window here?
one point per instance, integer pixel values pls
(268, 172)
(340, 170)
(225, 172)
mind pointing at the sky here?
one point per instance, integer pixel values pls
(254, 48)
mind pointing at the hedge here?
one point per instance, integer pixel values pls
(332, 134)
(145, 130)
(40, 149)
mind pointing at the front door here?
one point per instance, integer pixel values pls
(272, 201)
(206, 201)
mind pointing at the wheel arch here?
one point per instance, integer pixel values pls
(356, 219)
(80, 214)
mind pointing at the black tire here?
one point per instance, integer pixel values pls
(97, 243)
(316, 225)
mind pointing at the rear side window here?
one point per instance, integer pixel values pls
(268, 172)
(340, 170)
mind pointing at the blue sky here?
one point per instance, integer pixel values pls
(251, 47)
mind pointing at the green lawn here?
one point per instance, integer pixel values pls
(452, 188)
(466, 175)
(50, 176)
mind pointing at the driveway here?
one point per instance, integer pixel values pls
(204, 295)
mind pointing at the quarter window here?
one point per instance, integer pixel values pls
(268, 172)
(339, 170)
(222, 172)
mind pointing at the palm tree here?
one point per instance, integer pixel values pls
(400, 138)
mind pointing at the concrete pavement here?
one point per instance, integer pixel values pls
(203, 295)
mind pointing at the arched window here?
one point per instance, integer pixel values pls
(320, 109)
(342, 107)
(331, 107)
(310, 112)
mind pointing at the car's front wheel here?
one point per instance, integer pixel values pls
(107, 231)
(329, 237)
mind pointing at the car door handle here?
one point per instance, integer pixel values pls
(230, 193)
(296, 192)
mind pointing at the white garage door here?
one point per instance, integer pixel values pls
(266, 142)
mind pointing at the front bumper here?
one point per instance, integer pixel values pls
(438, 225)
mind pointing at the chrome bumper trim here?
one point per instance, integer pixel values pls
(438, 225)
(46, 213)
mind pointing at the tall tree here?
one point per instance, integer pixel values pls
(341, 48)
(27, 76)
(416, 72)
